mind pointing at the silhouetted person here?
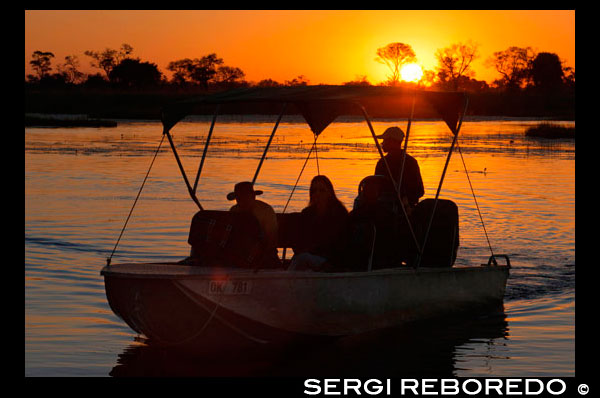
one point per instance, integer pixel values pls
(412, 184)
(374, 229)
(245, 197)
(323, 229)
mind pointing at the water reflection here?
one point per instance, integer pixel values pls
(428, 348)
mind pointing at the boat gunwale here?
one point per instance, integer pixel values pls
(220, 272)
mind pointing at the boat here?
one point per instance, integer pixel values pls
(236, 303)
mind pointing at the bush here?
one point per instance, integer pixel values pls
(550, 130)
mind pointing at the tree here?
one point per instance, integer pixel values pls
(199, 70)
(297, 81)
(472, 85)
(513, 64)
(569, 78)
(394, 55)
(359, 81)
(109, 58)
(181, 70)
(41, 63)
(204, 69)
(229, 75)
(134, 73)
(69, 69)
(428, 78)
(455, 62)
(95, 81)
(546, 72)
(268, 83)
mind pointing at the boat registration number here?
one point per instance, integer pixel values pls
(229, 287)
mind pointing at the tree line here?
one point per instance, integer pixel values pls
(518, 69)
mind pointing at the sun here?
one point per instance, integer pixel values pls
(411, 73)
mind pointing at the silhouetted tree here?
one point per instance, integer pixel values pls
(268, 83)
(53, 81)
(547, 72)
(69, 69)
(181, 70)
(513, 64)
(569, 77)
(359, 81)
(229, 75)
(455, 62)
(472, 85)
(205, 68)
(95, 81)
(109, 58)
(297, 81)
(199, 70)
(429, 78)
(41, 64)
(394, 55)
(135, 73)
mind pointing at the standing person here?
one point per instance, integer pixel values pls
(323, 229)
(412, 184)
(245, 197)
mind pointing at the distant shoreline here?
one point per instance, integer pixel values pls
(50, 120)
(83, 120)
(147, 105)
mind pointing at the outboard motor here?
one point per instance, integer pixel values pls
(443, 240)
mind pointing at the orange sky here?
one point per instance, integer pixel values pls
(328, 47)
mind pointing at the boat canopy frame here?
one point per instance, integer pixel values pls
(320, 106)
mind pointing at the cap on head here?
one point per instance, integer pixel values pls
(241, 188)
(394, 133)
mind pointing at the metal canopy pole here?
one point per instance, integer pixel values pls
(437, 194)
(269, 143)
(412, 111)
(187, 183)
(412, 232)
(210, 131)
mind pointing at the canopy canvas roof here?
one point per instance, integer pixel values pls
(320, 105)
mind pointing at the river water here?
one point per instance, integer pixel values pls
(80, 184)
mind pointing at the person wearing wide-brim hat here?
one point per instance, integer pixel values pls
(243, 190)
(412, 184)
(245, 196)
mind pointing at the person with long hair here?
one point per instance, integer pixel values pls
(323, 229)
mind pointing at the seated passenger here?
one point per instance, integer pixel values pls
(323, 229)
(245, 197)
(374, 229)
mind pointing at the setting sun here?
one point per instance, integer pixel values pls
(411, 73)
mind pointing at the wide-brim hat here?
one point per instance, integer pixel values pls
(243, 187)
(394, 133)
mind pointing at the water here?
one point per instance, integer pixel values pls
(81, 183)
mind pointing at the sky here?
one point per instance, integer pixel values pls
(326, 46)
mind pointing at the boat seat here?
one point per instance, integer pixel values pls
(216, 231)
(224, 237)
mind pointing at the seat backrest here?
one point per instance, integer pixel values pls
(227, 237)
(288, 225)
(202, 227)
